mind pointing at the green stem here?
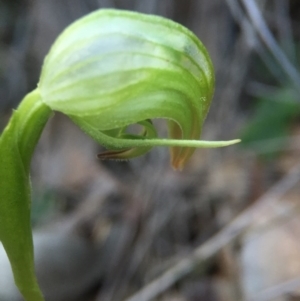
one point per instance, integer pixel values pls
(120, 143)
(17, 144)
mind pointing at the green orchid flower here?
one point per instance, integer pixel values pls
(107, 71)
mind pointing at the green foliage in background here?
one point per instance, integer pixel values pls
(271, 123)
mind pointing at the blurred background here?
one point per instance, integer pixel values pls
(227, 227)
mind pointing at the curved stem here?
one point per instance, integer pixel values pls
(17, 144)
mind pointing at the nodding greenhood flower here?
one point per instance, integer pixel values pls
(108, 70)
(116, 68)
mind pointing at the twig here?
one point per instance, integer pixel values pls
(251, 37)
(278, 290)
(213, 245)
(284, 27)
(239, 17)
(267, 38)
